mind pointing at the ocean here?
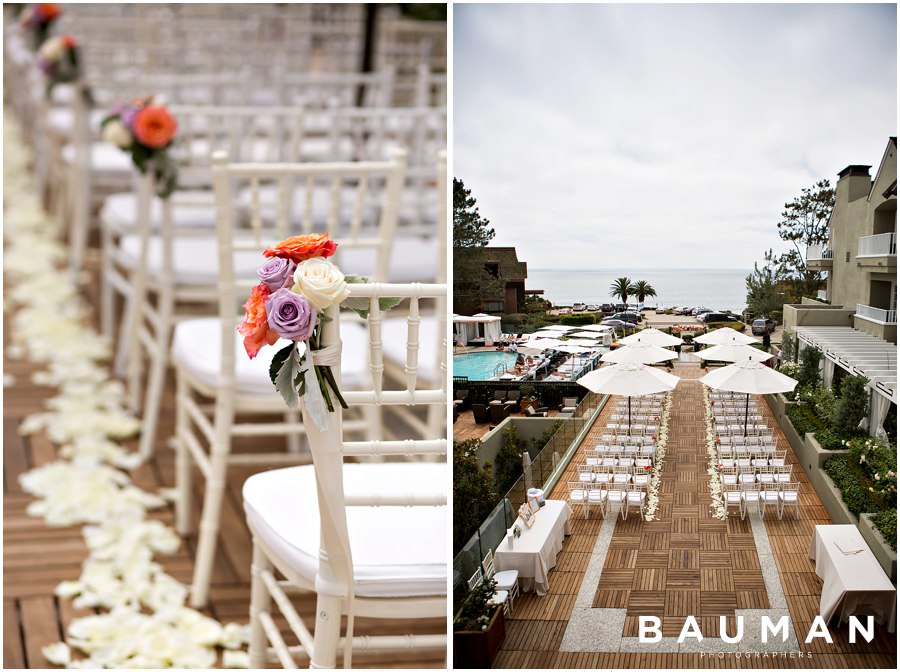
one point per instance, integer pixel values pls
(720, 289)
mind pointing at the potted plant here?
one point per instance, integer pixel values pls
(478, 629)
(529, 397)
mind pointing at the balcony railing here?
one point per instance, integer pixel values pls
(818, 252)
(822, 295)
(880, 245)
(876, 314)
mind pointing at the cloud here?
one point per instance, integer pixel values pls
(668, 134)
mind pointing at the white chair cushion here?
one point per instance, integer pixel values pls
(196, 259)
(59, 120)
(397, 551)
(190, 209)
(394, 335)
(506, 579)
(413, 259)
(105, 157)
(196, 347)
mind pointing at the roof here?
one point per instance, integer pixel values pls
(888, 150)
(859, 353)
(511, 269)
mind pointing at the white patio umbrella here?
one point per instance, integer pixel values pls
(733, 353)
(725, 336)
(748, 377)
(557, 327)
(595, 327)
(651, 336)
(538, 345)
(586, 342)
(628, 380)
(586, 334)
(638, 354)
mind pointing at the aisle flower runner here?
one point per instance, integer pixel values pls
(142, 620)
(656, 475)
(712, 454)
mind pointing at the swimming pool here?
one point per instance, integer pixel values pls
(480, 365)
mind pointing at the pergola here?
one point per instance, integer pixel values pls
(861, 354)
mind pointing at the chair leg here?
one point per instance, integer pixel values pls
(212, 505)
(260, 602)
(328, 631)
(159, 362)
(183, 506)
(107, 297)
(80, 214)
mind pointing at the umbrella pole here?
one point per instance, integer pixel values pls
(629, 416)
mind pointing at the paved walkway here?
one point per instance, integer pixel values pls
(684, 562)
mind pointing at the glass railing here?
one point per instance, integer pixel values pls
(546, 464)
(876, 314)
(879, 245)
(818, 253)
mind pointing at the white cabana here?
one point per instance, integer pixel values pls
(472, 327)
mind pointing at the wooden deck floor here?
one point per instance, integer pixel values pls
(36, 558)
(684, 562)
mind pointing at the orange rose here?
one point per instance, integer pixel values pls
(255, 325)
(155, 127)
(68, 41)
(301, 248)
(49, 10)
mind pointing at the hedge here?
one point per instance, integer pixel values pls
(850, 482)
(737, 326)
(886, 522)
(804, 420)
(577, 320)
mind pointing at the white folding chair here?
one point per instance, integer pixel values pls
(789, 494)
(382, 526)
(769, 495)
(578, 495)
(732, 497)
(507, 580)
(635, 497)
(596, 496)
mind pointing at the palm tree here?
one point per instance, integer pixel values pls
(642, 289)
(621, 288)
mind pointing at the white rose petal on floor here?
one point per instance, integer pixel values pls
(144, 622)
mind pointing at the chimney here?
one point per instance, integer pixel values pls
(853, 182)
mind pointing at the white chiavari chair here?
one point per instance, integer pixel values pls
(769, 496)
(732, 497)
(382, 550)
(210, 362)
(578, 494)
(789, 495)
(507, 579)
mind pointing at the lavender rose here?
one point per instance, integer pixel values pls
(290, 315)
(276, 273)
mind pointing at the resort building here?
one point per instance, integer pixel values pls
(854, 320)
(506, 295)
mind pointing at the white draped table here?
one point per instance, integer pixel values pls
(853, 582)
(534, 553)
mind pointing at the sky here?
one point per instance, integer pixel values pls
(655, 136)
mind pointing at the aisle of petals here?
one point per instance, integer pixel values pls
(141, 618)
(662, 440)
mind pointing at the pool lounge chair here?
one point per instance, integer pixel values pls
(498, 413)
(536, 412)
(569, 404)
(480, 413)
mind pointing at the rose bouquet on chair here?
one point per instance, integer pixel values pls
(59, 59)
(37, 20)
(297, 284)
(144, 129)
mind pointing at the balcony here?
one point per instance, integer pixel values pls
(878, 252)
(819, 257)
(879, 315)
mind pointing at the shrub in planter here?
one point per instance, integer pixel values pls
(539, 442)
(737, 326)
(852, 406)
(788, 347)
(474, 492)
(508, 463)
(823, 403)
(877, 459)
(828, 439)
(478, 629)
(886, 523)
(849, 482)
(808, 375)
(577, 320)
(804, 420)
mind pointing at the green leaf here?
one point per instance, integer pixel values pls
(278, 360)
(360, 304)
(284, 381)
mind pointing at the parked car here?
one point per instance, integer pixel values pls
(718, 317)
(632, 318)
(762, 326)
(684, 310)
(608, 308)
(578, 306)
(621, 325)
(619, 307)
(592, 308)
(702, 309)
(565, 311)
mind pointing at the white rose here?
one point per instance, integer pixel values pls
(52, 50)
(117, 133)
(321, 282)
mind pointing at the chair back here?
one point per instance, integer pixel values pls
(475, 579)
(488, 564)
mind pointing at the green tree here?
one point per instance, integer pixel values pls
(621, 288)
(852, 405)
(642, 289)
(470, 229)
(508, 463)
(804, 222)
(808, 374)
(764, 290)
(474, 491)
